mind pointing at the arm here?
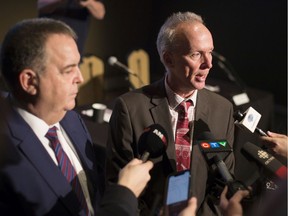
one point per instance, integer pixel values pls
(48, 6)
(96, 8)
(121, 198)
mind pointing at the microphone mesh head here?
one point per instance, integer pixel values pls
(112, 60)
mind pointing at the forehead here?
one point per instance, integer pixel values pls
(194, 35)
(61, 47)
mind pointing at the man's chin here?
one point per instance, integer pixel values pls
(70, 106)
(199, 85)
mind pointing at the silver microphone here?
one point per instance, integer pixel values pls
(113, 61)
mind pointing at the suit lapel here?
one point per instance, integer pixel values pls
(34, 152)
(201, 114)
(82, 145)
(159, 113)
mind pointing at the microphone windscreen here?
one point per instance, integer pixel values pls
(112, 60)
(268, 161)
(153, 140)
(206, 135)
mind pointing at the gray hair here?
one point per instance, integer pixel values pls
(166, 35)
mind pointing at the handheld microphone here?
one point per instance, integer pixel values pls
(213, 149)
(222, 168)
(249, 120)
(113, 61)
(152, 142)
(266, 160)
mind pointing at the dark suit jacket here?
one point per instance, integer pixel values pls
(31, 183)
(141, 108)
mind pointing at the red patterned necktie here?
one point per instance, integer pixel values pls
(66, 167)
(182, 138)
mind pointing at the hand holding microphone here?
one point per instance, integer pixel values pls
(135, 175)
(152, 143)
(233, 205)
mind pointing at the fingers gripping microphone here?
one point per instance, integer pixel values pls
(266, 160)
(249, 120)
(153, 142)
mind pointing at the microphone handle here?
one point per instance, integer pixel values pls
(223, 169)
(128, 71)
(145, 156)
(260, 132)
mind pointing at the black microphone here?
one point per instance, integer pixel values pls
(153, 142)
(222, 168)
(266, 160)
(249, 120)
(213, 149)
(113, 61)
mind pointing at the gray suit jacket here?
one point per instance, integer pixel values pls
(143, 107)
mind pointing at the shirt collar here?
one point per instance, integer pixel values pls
(38, 125)
(175, 99)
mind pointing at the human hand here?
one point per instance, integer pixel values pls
(190, 210)
(233, 205)
(135, 175)
(276, 142)
(96, 8)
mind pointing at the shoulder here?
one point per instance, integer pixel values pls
(212, 97)
(73, 119)
(153, 90)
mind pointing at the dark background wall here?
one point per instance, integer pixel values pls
(251, 34)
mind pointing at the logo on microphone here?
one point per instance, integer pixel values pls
(262, 154)
(160, 135)
(215, 146)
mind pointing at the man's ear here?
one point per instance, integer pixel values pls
(168, 59)
(29, 81)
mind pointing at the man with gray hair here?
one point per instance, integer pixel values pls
(185, 48)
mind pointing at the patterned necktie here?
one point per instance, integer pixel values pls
(182, 138)
(66, 167)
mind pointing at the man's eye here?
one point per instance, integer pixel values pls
(68, 71)
(195, 55)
